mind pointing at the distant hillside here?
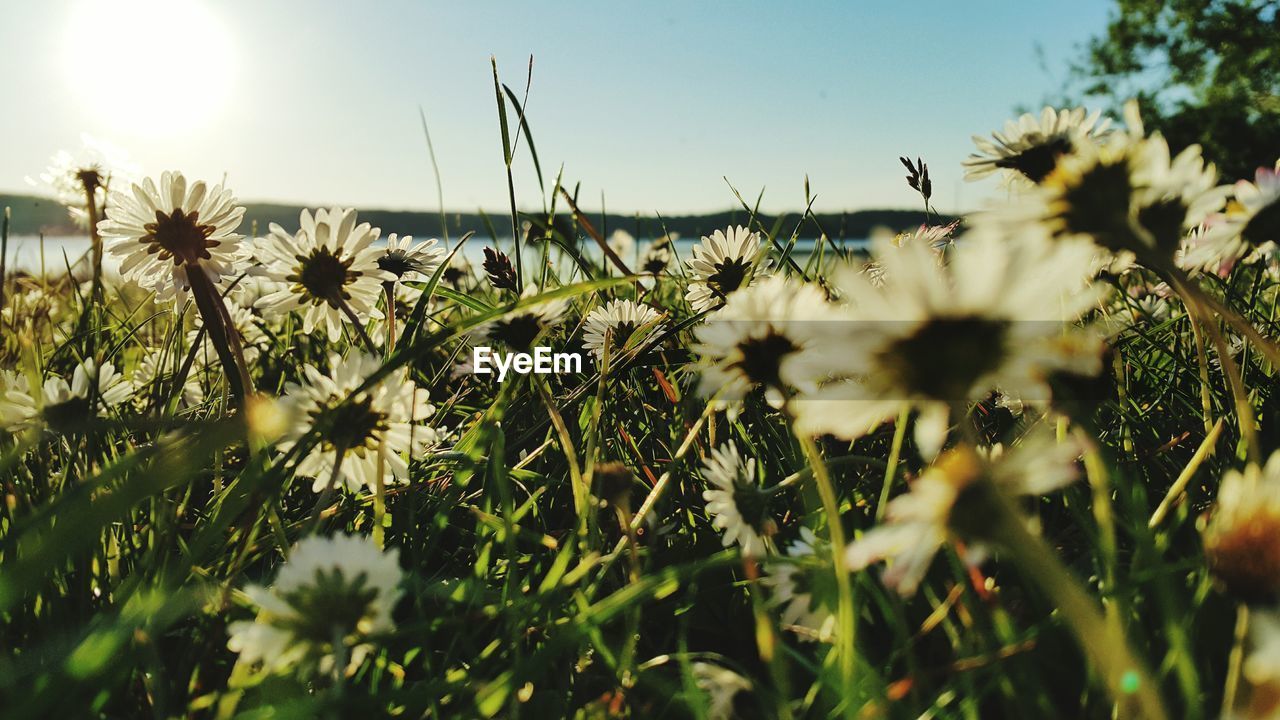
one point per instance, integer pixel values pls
(32, 215)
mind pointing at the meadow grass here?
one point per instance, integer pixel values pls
(557, 552)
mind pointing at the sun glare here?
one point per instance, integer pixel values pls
(149, 67)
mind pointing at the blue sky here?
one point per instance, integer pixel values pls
(651, 104)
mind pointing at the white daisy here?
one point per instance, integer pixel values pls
(330, 267)
(331, 599)
(1241, 540)
(1250, 228)
(937, 237)
(791, 587)
(626, 323)
(162, 233)
(721, 264)
(994, 316)
(1172, 197)
(1262, 666)
(94, 168)
(520, 329)
(373, 430)
(254, 286)
(60, 405)
(658, 255)
(1126, 195)
(721, 685)
(156, 371)
(738, 506)
(410, 262)
(622, 243)
(769, 334)
(918, 523)
(17, 407)
(1029, 148)
(243, 322)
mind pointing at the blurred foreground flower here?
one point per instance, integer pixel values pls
(721, 685)
(1251, 226)
(1261, 669)
(947, 501)
(996, 316)
(1242, 539)
(58, 405)
(327, 604)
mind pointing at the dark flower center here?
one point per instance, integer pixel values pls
(762, 358)
(621, 333)
(944, 357)
(68, 415)
(1037, 161)
(614, 481)
(1098, 205)
(655, 264)
(398, 263)
(753, 505)
(90, 178)
(728, 276)
(180, 236)
(519, 332)
(1164, 220)
(323, 277)
(1246, 557)
(332, 607)
(1264, 226)
(351, 424)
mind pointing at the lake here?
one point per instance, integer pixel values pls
(54, 253)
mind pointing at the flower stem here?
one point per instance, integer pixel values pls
(1234, 662)
(1127, 679)
(323, 501)
(223, 335)
(1202, 358)
(581, 491)
(1244, 409)
(845, 643)
(1206, 305)
(355, 322)
(895, 452)
(391, 316)
(91, 208)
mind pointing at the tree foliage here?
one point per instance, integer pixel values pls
(1204, 71)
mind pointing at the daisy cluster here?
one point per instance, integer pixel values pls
(891, 420)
